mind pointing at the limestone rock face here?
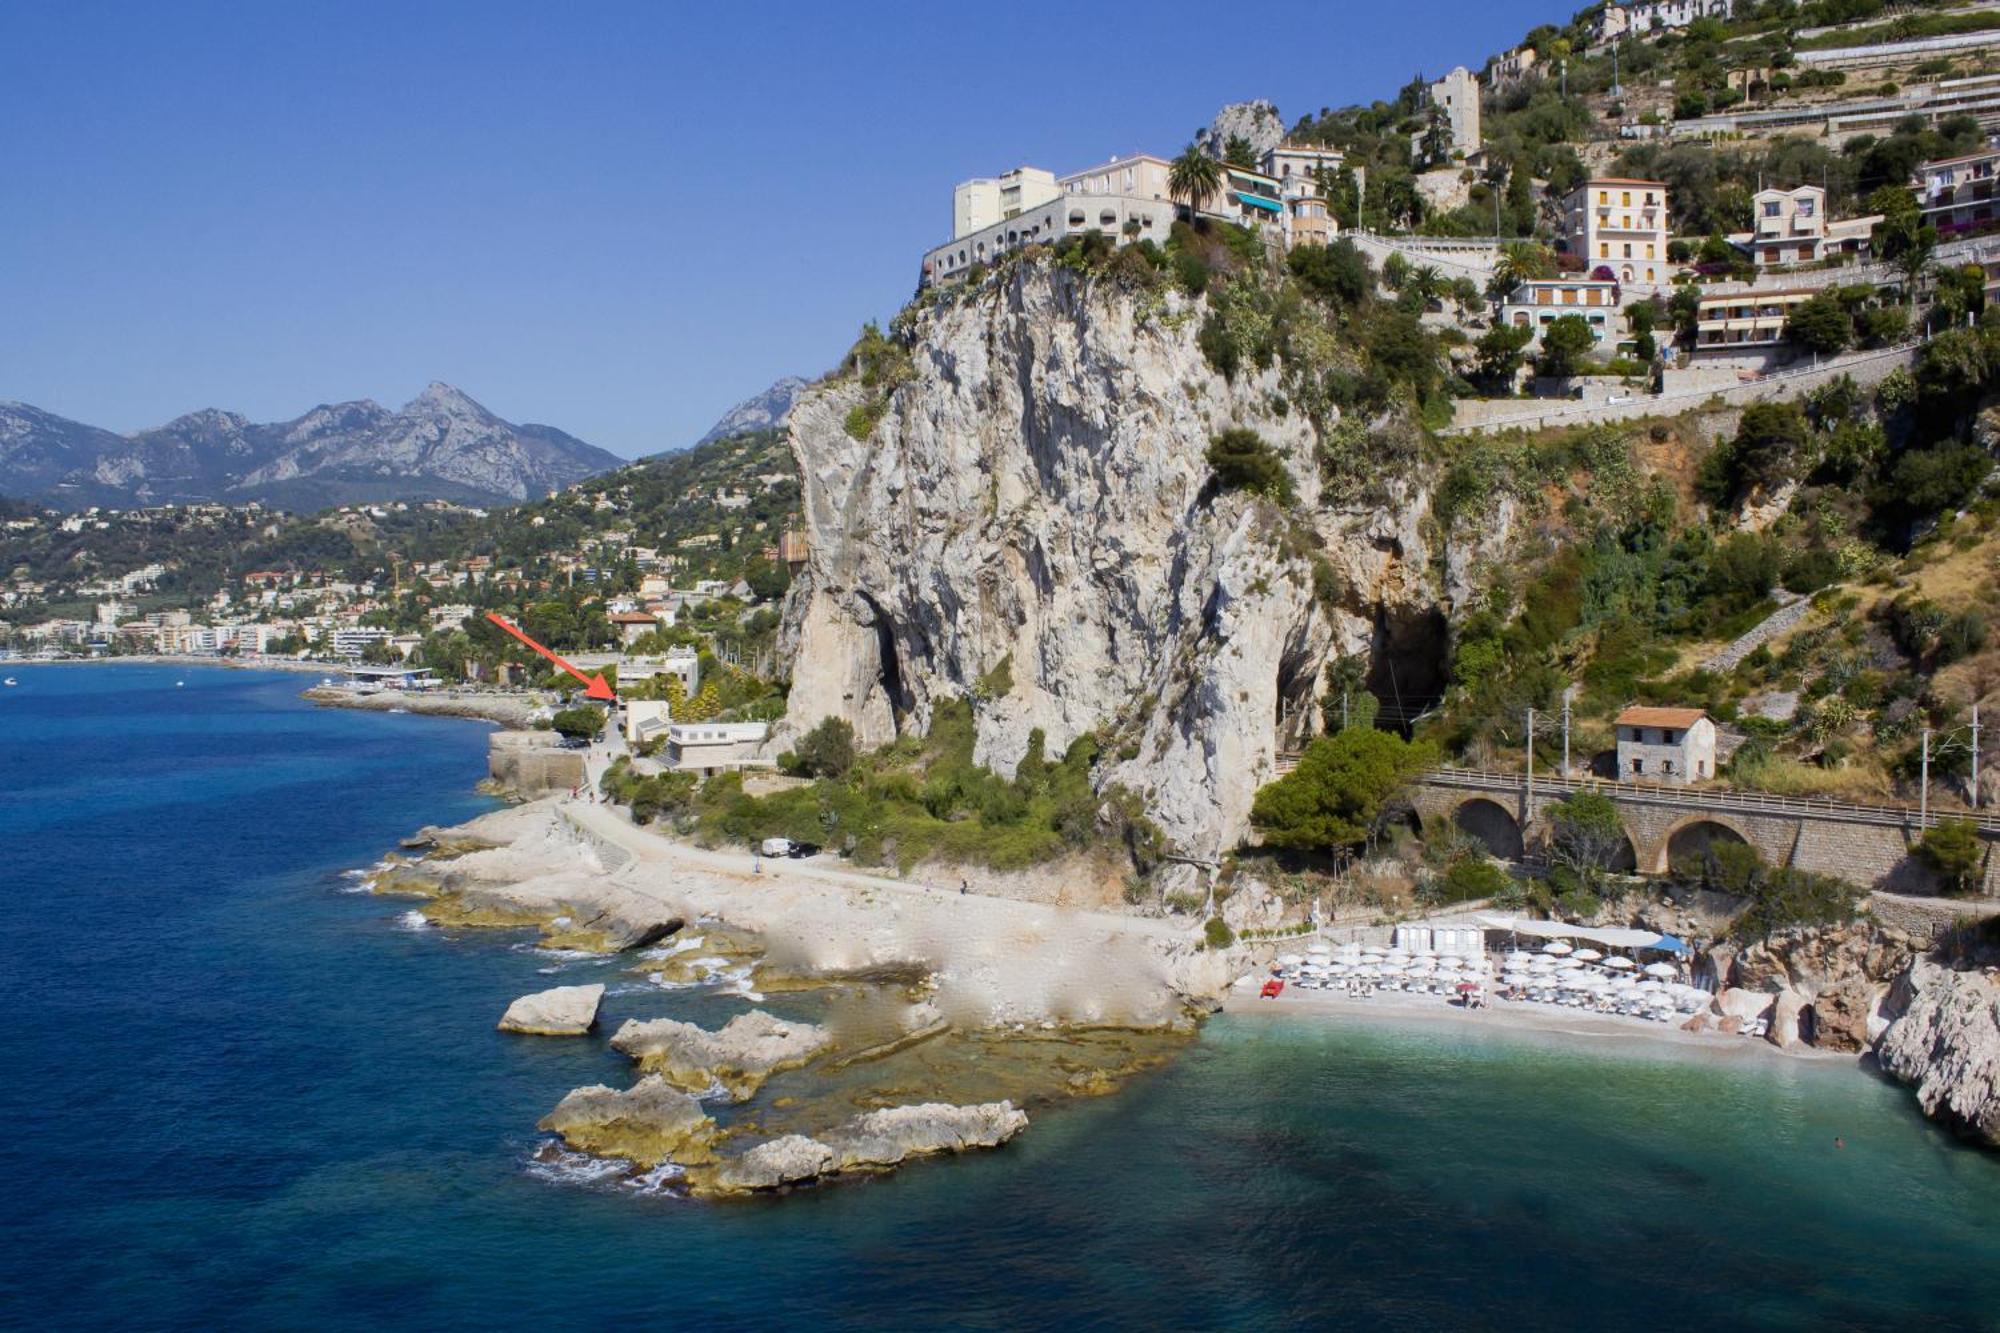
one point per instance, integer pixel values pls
(1947, 1046)
(1785, 1013)
(877, 1141)
(1741, 1004)
(1840, 1015)
(1030, 526)
(1258, 122)
(565, 1011)
(649, 1123)
(739, 1056)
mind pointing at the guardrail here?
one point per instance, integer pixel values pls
(1703, 798)
(1668, 404)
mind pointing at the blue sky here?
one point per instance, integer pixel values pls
(614, 218)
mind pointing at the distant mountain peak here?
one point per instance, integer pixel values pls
(442, 444)
(765, 411)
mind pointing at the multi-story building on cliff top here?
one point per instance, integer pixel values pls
(1126, 199)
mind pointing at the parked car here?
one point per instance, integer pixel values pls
(800, 850)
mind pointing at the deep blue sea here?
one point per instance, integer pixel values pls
(237, 1095)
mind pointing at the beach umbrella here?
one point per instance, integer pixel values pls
(1568, 964)
(1290, 960)
(1557, 948)
(1320, 948)
(1588, 955)
(1542, 965)
(1660, 970)
(1619, 962)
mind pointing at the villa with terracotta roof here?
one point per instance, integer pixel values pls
(1665, 744)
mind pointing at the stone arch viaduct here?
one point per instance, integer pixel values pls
(1867, 845)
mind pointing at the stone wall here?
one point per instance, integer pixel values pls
(532, 763)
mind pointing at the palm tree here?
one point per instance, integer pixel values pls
(1193, 177)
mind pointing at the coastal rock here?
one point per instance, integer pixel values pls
(1840, 1015)
(877, 1141)
(1813, 959)
(1742, 1005)
(1947, 1046)
(784, 1161)
(1257, 123)
(1786, 1011)
(565, 1011)
(1253, 906)
(1030, 526)
(649, 1123)
(739, 1056)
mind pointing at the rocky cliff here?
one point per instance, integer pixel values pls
(1029, 521)
(1946, 1045)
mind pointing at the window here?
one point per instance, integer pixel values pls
(1626, 198)
(1628, 249)
(1668, 737)
(1638, 767)
(1604, 196)
(1805, 208)
(1667, 767)
(1603, 250)
(1771, 209)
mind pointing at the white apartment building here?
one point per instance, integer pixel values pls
(1296, 167)
(1750, 321)
(982, 202)
(1541, 302)
(1620, 225)
(1792, 227)
(353, 641)
(1656, 16)
(1096, 200)
(716, 747)
(1956, 193)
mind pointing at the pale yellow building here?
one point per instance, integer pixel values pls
(980, 203)
(1620, 225)
(1141, 176)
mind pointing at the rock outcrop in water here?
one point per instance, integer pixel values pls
(1946, 1045)
(1031, 524)
(877, 1141)
(565, 1011)
(649, 1123)
(738, 1057)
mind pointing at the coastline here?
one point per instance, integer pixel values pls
(511, 711)
(1598, 1033)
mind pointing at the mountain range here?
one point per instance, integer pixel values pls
(439, 445)
(766, 411)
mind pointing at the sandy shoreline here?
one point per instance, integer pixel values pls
(1508, 1018)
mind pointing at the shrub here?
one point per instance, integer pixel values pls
(578, 724)
(1473, 877)
(1953, 850)
(827, 751)
(1216, 934)
(1336, 795)
(1243, 461)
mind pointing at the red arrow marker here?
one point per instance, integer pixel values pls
(594, 687)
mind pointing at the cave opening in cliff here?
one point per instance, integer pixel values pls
(1410, 663)
(888, 662)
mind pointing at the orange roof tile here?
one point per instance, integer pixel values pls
(1642, 716)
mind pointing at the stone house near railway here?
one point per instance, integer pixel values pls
(1665, 745)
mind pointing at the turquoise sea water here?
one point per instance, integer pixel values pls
(238, 1096)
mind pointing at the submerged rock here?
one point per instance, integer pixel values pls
(877, 1141)
(649, 1123)
(565, 1011)
(740, 1056)
(1947, 1046)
